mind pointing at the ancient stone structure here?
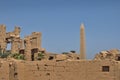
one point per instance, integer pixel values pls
(61, 70)
(30, 46)
(27, 46)
(82, 43)
(2, 38)
(36, 40)
(42, 65)
(113, 54)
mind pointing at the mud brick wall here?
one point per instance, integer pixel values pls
(67, 70)
(4, 70)
(60, 70)
(35, 70)
(117, 70)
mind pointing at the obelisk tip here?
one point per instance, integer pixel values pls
(82, 26)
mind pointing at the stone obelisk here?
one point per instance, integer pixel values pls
(82, 43)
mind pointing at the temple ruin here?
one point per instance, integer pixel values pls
(27, 60)
(28, 46)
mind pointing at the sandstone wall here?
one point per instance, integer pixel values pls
(61, 70)
(68, 70)
(4, 70)
(117, 71)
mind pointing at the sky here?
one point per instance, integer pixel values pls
(59, 22)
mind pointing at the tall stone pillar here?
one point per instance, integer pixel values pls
(3, 44)
(28, 48)
(36, 40)
(15, 45)
(82, 42)
(17, 31)
(21, 44)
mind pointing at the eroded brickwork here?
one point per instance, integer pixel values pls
(2, 38)
(61, 70)
(4, 70)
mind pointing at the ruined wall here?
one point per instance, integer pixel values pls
(117, 70)
(28, 48)
(68, 70)
(36, 40)
(2, 38)
(15, 45)
(4, 70)
(62, 70)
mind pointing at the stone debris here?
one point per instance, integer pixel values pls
(113, 54)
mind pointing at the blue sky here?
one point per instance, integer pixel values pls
(59, 21)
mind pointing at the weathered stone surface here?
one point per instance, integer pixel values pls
(63, 70)
(113, 54)
(29, 45)
(82, 43)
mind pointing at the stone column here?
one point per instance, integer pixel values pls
(17, 31)
(21, 44)
(28, 48)
(3, 43)
(15, 45)
(36, 40)
(82, 43)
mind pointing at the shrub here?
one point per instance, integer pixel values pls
(40, 56)
(4, 55)
(18, 56)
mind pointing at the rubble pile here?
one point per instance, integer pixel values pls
(113, 54)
